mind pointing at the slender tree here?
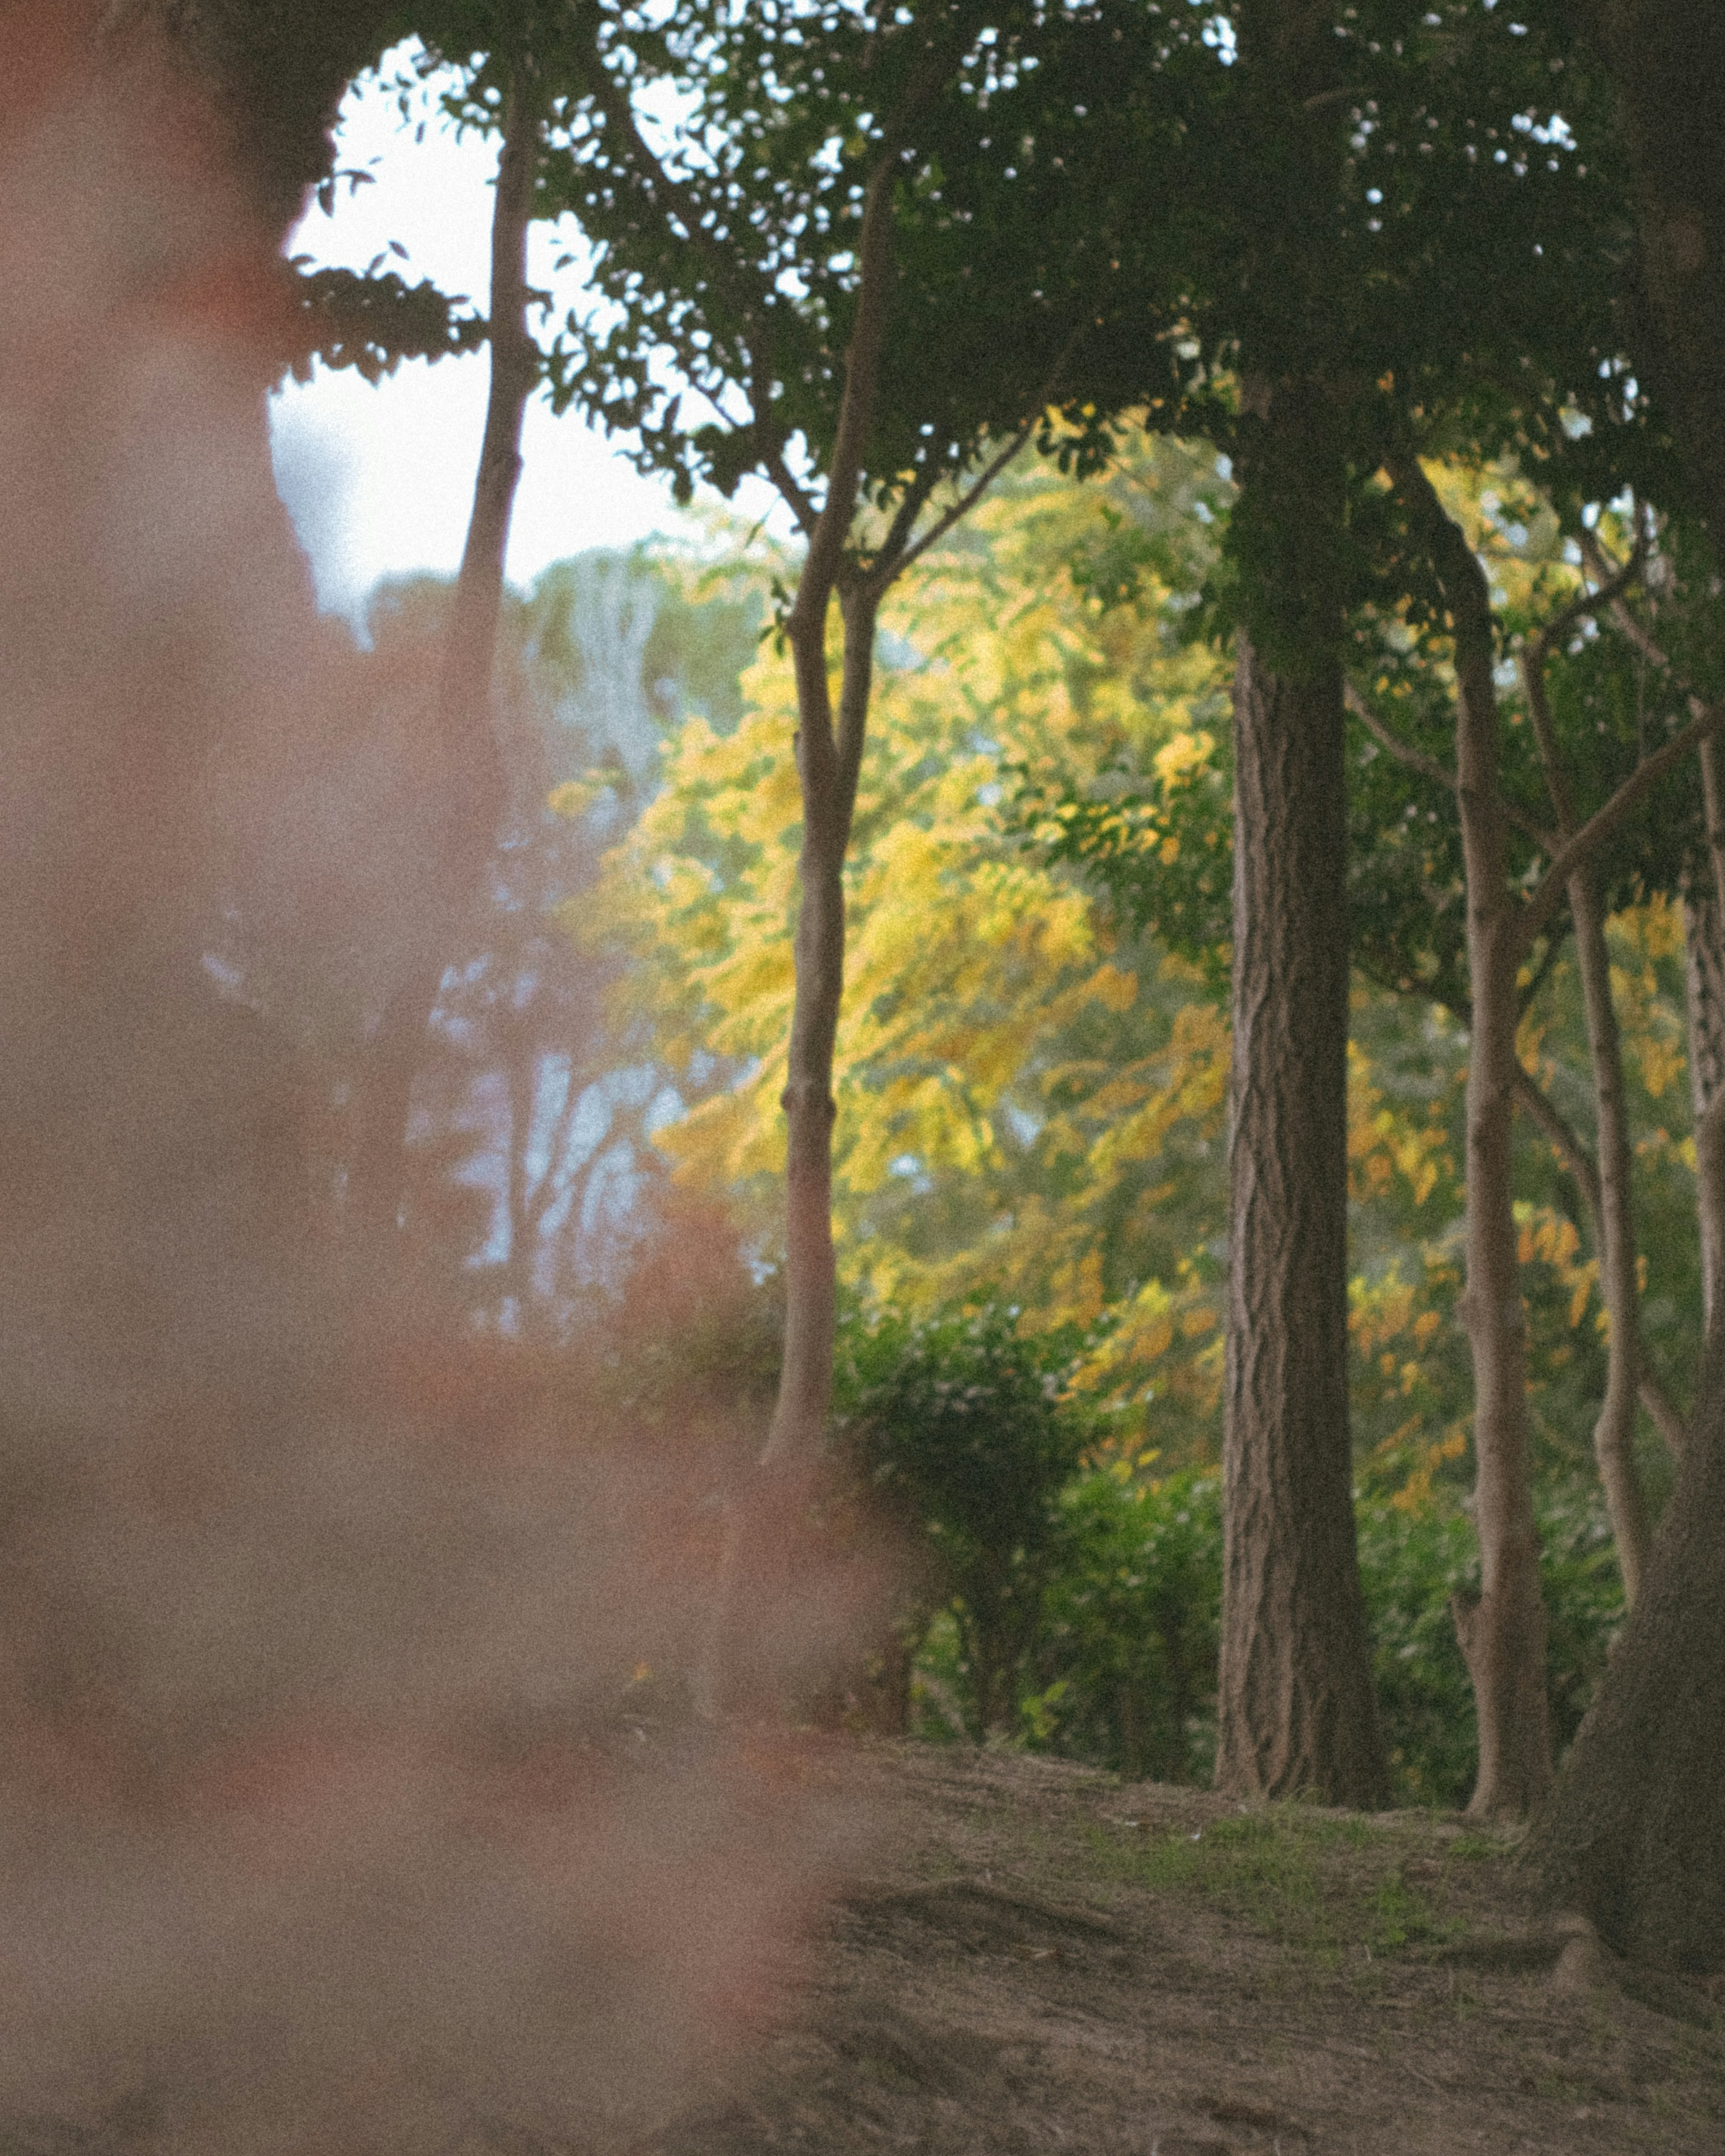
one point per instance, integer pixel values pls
(1502, 1634)
(791, 256)
(461, 745)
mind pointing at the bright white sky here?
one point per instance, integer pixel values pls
(379, 480)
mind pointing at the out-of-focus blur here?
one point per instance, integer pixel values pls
(351, 1798)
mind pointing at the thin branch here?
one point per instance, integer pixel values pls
(615, 103)
(967, 500)
(1612, 580)
(1582, 1171)
(801, 501)
(1532, 658)
(1540, 975)
(1537, 650)
(1598, 827)
(1415, 759)
(826, 543)
(904, 518)
(1578, 1161)
(1428, 767)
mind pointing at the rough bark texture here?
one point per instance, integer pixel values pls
(1632, 1832)
(1503, 1632)
(1704, 987)
(1296, 1705)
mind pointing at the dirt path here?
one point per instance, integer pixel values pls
(1039, 1958)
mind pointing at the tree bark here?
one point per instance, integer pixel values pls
(1634, 1830)
(463, 748)
(828, 767)
(1295, 1701)
(1503, 1631)
(1296, 1704)
(1704, 993)
(1632, 1834)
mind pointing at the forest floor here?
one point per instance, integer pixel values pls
(1038, 1957)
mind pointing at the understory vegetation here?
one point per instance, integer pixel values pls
(1030, 1163)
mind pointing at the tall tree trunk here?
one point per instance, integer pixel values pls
(1633, 1833)
(827, 766)
(1296, 1704)
(1296, 1700)
(463, 750)
(829, 748)
(1501, 1632)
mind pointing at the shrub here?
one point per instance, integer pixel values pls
(1126, 1661)
(956, 1423)
(1082, 1603)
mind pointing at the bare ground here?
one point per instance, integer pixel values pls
(1031, 1956)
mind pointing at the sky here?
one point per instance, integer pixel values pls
(379, 480)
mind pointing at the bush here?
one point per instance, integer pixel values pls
(1078, 1607)
(1126, 1661)
(1411, 1562)
(957, 1425)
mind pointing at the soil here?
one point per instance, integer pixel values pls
(1033, 1956)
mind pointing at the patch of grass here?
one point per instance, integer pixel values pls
(1315, 1883)
(1480, 1848)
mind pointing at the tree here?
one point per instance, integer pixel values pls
(786, 252)
(1031, 1102)
(1296, 1704)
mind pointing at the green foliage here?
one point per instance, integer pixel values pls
(373, 321)
(1126, 1664)
(957, 1424)
(1086, 1604)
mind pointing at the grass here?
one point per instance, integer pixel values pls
(1325, 1886)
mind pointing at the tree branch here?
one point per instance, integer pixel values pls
(1598, 827)
(1415, 759)
(967, 500)
(1428, 767)
(1578, 1163)
(862, 361)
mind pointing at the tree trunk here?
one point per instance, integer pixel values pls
(1704, 993)
(1619, 1272)
(1632, 1832)
(828, 762)
(1665, 61)
(463, 748)
(1295, 1701)
(1503, 1632)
